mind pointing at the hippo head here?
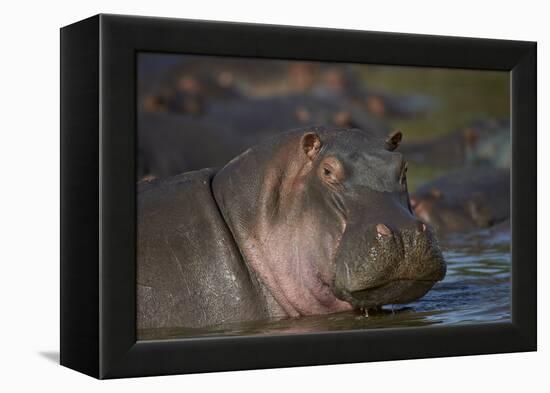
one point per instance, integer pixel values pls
(466, 199)
(444, 212)
(323, 219)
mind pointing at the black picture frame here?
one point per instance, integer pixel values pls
(98, 207)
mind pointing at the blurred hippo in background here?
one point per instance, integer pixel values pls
(463, 200)
(187, 95)
(190, 86)
(268, 115)
(311, 221)
(483, 142)
(345, 82)
(170, 143)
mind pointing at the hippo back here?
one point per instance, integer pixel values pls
(189, 270)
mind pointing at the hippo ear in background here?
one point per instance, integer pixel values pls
(311, 143)
(479, 211)
(393, 140)
(471, 136)
(436, 193)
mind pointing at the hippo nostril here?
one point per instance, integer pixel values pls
(383, 230)
(420, 227)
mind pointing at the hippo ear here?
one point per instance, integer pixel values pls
(471, 136)
(436, 193)
(479, 211)
(311, 143)
(393, 140)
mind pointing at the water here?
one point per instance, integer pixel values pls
(476, 289)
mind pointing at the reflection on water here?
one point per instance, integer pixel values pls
(476, 289)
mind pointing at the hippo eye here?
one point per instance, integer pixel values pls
(331, 171)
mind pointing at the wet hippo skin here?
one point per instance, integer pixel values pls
(168, 141)
(465, 199)
(311, 221)
(190, 271)
(482, 142)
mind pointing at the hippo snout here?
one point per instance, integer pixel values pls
(393, 266)
(382, 230)
(412, 253)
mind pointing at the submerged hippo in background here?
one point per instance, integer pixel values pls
(189, 86)
(465, 199)
(312, 221)
(483, 142)
(168, 142)
(270, 115)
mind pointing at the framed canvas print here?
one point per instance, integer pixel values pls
(239, 196)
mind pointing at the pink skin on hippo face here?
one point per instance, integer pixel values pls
(323, 221)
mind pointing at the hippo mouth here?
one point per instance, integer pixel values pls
(393, 292)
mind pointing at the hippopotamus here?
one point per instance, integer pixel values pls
(465, 199)
(189, 85)
(347, 82)
(311, 221)
(481, 142)
(167, 144)
(291, 111)
(187, 95)
(167, 140)
(405, 106)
